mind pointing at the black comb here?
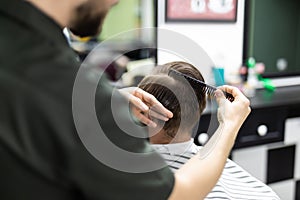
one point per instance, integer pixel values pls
(208, 89)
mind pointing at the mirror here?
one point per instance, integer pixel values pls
(272, 36)
(123, 30)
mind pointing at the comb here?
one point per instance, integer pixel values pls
(208, 89)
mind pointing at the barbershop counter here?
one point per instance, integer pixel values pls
(266, 122)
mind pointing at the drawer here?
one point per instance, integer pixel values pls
(263, 126)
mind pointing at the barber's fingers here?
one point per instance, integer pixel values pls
(151, 111)
(236, 93)
(152, 102)
(220, 97)
(143, 118)
(155, 114)
(145, 106)
(240, 105)
(138, 103)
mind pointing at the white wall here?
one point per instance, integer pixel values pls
(223, 42)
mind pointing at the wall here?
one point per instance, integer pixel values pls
(130, 15)
(223, 42)
(122, 17)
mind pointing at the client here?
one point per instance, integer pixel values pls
(173, 139)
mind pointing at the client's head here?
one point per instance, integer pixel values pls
(186, 101)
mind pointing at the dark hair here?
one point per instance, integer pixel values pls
(177, 95)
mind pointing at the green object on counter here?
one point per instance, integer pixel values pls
(268, 85)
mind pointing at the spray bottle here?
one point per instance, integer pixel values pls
(252, 81)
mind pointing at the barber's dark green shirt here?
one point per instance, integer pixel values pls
(41, 155)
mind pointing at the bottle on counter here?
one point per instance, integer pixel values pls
(252, 81)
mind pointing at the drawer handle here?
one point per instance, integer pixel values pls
(202, 138)
(262, 130)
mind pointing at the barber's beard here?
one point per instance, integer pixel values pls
(85, 24)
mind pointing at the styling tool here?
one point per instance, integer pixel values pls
(208, 89)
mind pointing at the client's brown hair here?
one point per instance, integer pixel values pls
(176, 94)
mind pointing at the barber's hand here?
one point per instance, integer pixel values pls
(145, 106)
(232, 113)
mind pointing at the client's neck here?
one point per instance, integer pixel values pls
(163, 138)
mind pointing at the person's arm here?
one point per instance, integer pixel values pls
(145, 106)
(200, 174)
